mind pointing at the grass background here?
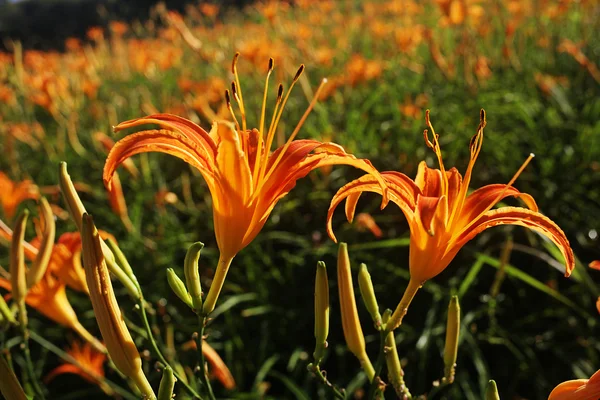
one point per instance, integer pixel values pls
(538, 330)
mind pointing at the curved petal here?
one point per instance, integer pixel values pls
(174, 123)
(163, 141)
(481, 200)
(523, 217)
(399, 192)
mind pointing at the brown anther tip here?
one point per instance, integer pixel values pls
(227, 98)
(234, 62)
(427, 117)
(233, 89)
(482, 115)
(279, 92)
(271, 64)
(299, 72)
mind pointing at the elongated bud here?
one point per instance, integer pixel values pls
(17, 264)
(321, 312)
(452, 333)
(38, 268)
(353, 333)
(75, 206)
(9, 384)
(5, 312)
(368, 294)
(178, 287)
(121, 269)
(192, 277)
(167, 384)
(491, 391)
(115, 334)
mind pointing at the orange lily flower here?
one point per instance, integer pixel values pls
(218, 368)
(245, 179)
(13, 193)
(442, 218)
(91, 360)
(579, 389)
(49, 297)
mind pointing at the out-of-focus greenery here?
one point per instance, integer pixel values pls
(533, 66)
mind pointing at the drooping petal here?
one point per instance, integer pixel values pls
(481, 199)
(178, 124)
(400, 192)
(523, 217)
(164, 141)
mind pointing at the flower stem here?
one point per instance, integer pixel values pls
(376, 383)
(337, 393)
(202, 319)
(396, 318)
(28, 362)
(161, 357)
(216, 285)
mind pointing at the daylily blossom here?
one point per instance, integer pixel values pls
(443, 218)
(49, 297)
(13, 193)
(245, 179)
(579, 389)
(90, 366)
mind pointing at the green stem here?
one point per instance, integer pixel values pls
(395, 372)
(376, 383)
(28, 362)
(202, 319)
(338, 394)
(161, 357)
(396, 318)
(216, 285)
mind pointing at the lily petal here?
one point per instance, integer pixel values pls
(523, 217)
(482, 198)
(164, 141)
(400, 192)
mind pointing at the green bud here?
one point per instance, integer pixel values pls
(368, 294)
(452, 333)
(167, 384)
(178, 287)
(5, 312)
(17, 266)
(321, 312)
(192, 277)
(491, 392)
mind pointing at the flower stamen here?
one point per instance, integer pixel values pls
(240, 100)
(262, 123)
(435, 146)
(498, 197)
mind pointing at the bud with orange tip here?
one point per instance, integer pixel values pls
(117, 338)
(353, 333)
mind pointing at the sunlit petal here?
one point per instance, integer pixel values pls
(523, 217)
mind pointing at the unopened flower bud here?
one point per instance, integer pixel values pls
(353, 333)
(167, 384)
(452, 333)
(178, 287)
(5, 312)
(368, 294)
(491, 392)
(192, 277)
(18, 272)
(117, 338)
(38, 268)
(321, 311)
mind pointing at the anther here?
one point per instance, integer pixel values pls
(299, 72)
